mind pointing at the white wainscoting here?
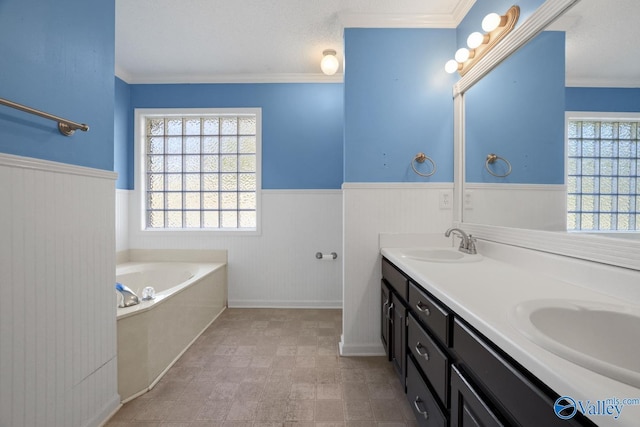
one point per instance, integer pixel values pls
(57, 301)
(122, 220)
(538, 207)
(372, 210)
(276, 268)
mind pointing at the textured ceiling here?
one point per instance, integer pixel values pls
(602, 40)
(282, 40)
(235, 40)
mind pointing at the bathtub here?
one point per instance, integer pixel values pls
(154, 334)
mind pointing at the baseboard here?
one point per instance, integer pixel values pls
(108, 411)
(283, 304)
(360, 349)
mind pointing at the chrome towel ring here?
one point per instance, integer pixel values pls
(420, 158)
(492, 158)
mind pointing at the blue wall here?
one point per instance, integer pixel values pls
(302, 125)
(619, 100)
(517, 112)
(58, 57)
(122, 134)
(398, 102)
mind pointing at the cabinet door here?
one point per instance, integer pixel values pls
(385, 316)
(399, 338)
(467, 407)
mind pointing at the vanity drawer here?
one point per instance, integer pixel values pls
(430, 313)
(396, 279)
(433, 361)
(424, 405)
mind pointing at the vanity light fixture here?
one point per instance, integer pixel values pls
(329, 63)
(496, 27)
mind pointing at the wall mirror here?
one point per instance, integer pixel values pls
(519, 115)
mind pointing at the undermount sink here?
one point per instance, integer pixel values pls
(439, 255)
(600, 337)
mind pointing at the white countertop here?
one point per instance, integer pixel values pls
(484, 293)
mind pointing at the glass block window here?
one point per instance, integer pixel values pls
(602, 175)
(201, 171)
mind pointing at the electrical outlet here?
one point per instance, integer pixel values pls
(468, 200)
(446, 199)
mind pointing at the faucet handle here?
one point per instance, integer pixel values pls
(471, 247)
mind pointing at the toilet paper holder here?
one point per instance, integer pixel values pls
(332, 255)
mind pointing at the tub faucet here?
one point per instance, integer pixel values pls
(128, 297)
(467, 242)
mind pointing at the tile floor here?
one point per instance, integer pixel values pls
(270, 368)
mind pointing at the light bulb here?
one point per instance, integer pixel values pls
(462, 54)
(491, 22)
(451, 66)
(475, 39)
(329, 63)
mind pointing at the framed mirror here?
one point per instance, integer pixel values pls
(528, 207)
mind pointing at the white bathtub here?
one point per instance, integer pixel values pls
(153, 334)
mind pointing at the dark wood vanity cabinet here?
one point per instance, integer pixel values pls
(394, 318)
(453, 375)
(385, 316)
(468, 408)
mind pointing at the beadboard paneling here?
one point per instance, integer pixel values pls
(122, 220)
(369, 210)
(57, 311)
(276, 268)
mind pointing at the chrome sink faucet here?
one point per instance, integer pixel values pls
(467, 242)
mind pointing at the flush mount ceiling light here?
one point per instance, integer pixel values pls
(329, 63)
(496, 28)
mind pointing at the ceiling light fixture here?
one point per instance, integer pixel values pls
(329, 63)
(496, 28)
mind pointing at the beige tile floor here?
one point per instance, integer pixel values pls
(270, 368)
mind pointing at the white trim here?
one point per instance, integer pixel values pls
(140, 169)
(501, 186)
(247, 303)
(607, 250)
(413, 20)
(230, 78)
(595, 82)
(14, 161)
(541, 18)
(298, 191)
(360, 349)
(359, 20)
(396, 185)
(462, 8)
(599, 116)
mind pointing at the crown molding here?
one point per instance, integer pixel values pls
(232, 78)
(358, 20)
(462, 8)
(622, 83)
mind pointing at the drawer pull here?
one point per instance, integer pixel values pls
(425, 354)
(389, 312)
(423, 308)
(416, 403)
